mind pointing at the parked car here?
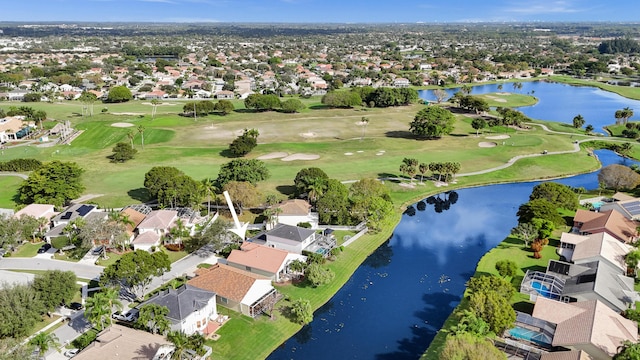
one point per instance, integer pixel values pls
(75, 306)
(71, 353)
(129, 316)
(98, 250)
(44, 248)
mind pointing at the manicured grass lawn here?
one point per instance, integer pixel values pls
(174, 255)
(9, 186)
(27, 250)
(111, 259)
(508, 99)
(626, 91)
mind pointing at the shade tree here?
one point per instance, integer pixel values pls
(432, 122)
(135, 270)
(54, 183)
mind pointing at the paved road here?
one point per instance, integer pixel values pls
(84, 271)
(186, 265)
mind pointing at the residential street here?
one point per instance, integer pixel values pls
(84, 271)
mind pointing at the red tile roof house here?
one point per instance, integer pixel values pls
(612, 222)
(588, 325)
(263, 260)
(236, 289)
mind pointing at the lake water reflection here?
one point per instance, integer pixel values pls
(398, 299)
(561, 102)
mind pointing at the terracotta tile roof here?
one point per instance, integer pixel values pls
(602, 244)
(147, 238)
(37, 211)
(134, 216)
(611, 221)
(258, 257)
(566, 355)
(159, 219)
(122, 343)
(226, 281)
(586, 322)
(622, 197)
(294, 207)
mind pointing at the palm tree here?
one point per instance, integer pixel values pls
(98, 311)
(364, 122)
(180, 342)
(578, 121)
(44, 341)
(112, 295)
(179, 231)
(209, 187)
(423, 168)
(141, 129)
(131, 135)
(154, 107)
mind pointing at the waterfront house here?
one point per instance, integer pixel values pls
(263, 260)
(581, 249)
(236, 289)
(122, 342)
(296, 211)
(589, 326)
(612, 222)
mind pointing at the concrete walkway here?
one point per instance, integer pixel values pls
(11, 173)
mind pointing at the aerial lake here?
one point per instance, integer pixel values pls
(393, 305)
(560, 102)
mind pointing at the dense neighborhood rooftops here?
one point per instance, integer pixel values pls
(586, 322)
(183, 301)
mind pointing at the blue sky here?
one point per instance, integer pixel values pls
(358, 11)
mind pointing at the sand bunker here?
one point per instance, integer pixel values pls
(160, 104)
(127, 113)
(486, 144)
(122, 124)
(300, 156)
(504, 93)
(499, 100)
(273, 155)
(498, 137)
(348, 153)
(308, 135)
(361, 123)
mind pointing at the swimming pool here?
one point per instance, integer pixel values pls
(530, 335)
(597, 204)
(543, 289)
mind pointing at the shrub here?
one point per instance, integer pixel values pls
(313, 258)
(84, 340)
(20, 165)
(174, 247)
(305, 225)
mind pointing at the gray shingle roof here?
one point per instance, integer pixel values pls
(182, 301)
(290, 232)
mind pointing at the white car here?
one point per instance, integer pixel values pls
(71, 353)
(130, 316)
